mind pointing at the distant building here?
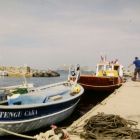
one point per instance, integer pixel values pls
(16, 71)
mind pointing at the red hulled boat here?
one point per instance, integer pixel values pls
(108, 77)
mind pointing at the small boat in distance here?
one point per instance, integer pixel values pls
(3, 73)
(108, 77)
(39, 108)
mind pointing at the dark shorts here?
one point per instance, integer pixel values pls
(137, 70)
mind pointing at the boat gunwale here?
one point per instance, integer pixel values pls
(94, 76)
(107, 86)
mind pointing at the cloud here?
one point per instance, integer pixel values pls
(48, 33)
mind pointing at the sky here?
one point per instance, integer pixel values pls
(50, 33)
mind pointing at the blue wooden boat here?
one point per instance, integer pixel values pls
(44, 106)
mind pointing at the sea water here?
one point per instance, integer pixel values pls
(37, 81)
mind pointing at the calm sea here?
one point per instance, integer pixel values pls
(37, 81)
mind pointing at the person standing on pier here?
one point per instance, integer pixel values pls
(136, 62)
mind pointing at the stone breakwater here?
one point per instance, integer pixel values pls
(27, 72)
(44, 73)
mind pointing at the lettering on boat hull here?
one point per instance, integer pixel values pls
(17, 114)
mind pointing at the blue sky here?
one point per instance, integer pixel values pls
(49, 33)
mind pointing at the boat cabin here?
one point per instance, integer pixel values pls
(108, 69)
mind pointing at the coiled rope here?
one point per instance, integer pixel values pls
(110, 126)
(107, 126)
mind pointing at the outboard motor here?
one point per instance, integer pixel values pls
(74, 73)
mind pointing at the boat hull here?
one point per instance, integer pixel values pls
(45, 106)
(38, 122)
(26, 113)
(91, 82)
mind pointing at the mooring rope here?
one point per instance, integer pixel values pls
(53, 134)
(17, 134)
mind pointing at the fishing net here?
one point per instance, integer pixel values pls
(108, 126)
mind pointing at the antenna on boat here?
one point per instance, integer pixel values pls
(24, 77)
(25, 80)
(103, 57)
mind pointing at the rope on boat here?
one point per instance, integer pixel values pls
(16, 134)
(108, 126)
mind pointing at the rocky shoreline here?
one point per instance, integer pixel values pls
(42, 73)
(26, 71)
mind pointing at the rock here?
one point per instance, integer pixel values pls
(43, 73)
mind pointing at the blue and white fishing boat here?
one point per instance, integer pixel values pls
(44, 106)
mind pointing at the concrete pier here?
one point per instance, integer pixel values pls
(124, 102)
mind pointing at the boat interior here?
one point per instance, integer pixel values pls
(43, 95)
